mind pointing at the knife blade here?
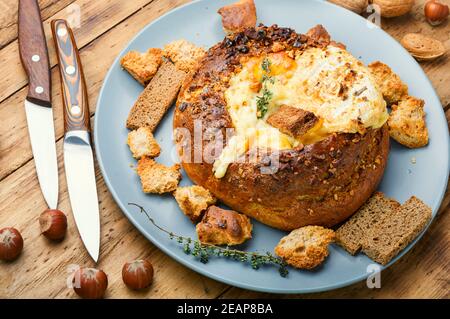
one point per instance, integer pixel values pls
(38, 105)
(78, 155)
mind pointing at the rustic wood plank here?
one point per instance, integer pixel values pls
(422, 273)
(96, 18)
(8, 16)
(97, 58)
(42, 269)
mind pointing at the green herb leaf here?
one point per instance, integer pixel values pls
(204, 251)
(265, 65)
(262, 102)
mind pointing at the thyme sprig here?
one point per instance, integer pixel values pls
(262, 101)
(204, 251)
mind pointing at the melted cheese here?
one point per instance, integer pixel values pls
(329, 82)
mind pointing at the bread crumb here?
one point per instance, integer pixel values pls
(306, 247)
(407, 123)
(390, 84)
(238, 16)
(224, 227)
(193, 201)
(184, 54)
(157, 178)
(142, 143)
(142, 66)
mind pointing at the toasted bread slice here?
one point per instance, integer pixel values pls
(292, 121)
(306, 247)
(142, 66)
(407, 123)
(193, 201)
(142, 143)
(353, 232)
(157, 178)
(224, 227)
(390, 84)
(184, 54)
(396, 231)
(156, 98)
(238, 16)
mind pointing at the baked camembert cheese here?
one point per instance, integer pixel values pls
(329, 82)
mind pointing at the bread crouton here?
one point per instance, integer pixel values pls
(238, 16)
(353, 232)
(407, 123)
(224, 227)
(306, 247)
(193, 201)
(142, 143)
(142, 66)
(396, 231)
(184, 54)
(157, 178)
(292, 121)
(319, 34)
(390, 84)
(156, 98)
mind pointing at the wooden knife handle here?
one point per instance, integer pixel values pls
(33, 53)
(73, 85)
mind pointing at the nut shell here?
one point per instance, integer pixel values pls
(423, 48)
(11, 244)
(356, 6)
(394, 8)
(53, 224)
(137, 274)
(90, 283)
(436, 12)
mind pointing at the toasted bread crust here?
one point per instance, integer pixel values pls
(224, 227)
(238, 16)
(193, 201)
(157, 178)
(142, 66)
(184, 54)
(142, 143)
(390, 84)
(292, 121)
(407, 123)
(322, 184)
(306, 247)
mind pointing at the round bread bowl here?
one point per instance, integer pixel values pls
(320, 184)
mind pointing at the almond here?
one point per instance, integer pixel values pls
(394, 8)
(423, 48)
(357, 6)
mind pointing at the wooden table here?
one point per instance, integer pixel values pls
(105, 28)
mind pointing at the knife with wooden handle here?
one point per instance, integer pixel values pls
(78, 156)
(38, 103)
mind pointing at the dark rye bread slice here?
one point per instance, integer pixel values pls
(156, 98)
(292, 121)
(352, 234)
(396, 231)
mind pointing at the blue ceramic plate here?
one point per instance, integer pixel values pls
(198, 22)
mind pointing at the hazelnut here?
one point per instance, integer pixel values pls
(90, 283)
(436, 12)
(11, 244)
(393, 8)
(137, 274)
(53, 224)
